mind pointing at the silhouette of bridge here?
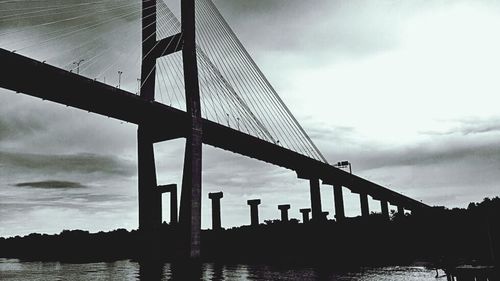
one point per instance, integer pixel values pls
(270, 134)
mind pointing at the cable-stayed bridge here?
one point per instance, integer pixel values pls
(197, 82)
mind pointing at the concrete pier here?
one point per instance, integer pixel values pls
(339, 203)
(365, 211)
(149, 202)
(172, 189)
(216, 221)
(305, 214)
(284, 212)
(315, 199)
(384, 206)
(254, 211)
(324, 216)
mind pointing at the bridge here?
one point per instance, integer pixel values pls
(252, 133)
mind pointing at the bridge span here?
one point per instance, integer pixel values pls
(28, 76)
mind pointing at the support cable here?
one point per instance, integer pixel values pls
(236, 78)
(227, 28)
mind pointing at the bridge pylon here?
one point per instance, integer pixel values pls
(149, 204)
(190, 210)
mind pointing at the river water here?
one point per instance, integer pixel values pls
(15, 270)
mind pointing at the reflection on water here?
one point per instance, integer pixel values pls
(12, 269)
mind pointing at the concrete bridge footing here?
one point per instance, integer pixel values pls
(216, 220)
(284, 212)
(254, 211)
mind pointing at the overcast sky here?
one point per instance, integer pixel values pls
(405, 91)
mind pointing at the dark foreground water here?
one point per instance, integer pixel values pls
(12, 269)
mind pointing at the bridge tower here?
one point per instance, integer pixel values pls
(149, 204)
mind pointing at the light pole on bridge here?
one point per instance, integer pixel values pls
(77, 63)
(119, 78)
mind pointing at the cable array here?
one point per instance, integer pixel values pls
(101, 38)
(220, 102)
(234, 92)
(225, 51)
(92, 37)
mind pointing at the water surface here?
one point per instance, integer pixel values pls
(15, 270)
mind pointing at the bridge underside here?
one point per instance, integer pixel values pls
(28, 76)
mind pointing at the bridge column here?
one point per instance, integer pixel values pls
(172, 189)
(173, 206)
(305, 215)
(365, 211)
(149, 202)
(315, 199)
(284, 212)
(384, 206)
(215, 197)
(339, 203)
(254, 211)
(324, 216)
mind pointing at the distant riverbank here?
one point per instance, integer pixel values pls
(436, 237)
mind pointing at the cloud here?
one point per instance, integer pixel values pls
(17, 126)
(470, 126)
(477, 150)
(76, 163)
(50, 184)
(282, 35)
(102, 204)
(30, 125)
(431, 154)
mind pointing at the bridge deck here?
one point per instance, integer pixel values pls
(31, 77)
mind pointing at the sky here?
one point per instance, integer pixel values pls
(405, 91)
